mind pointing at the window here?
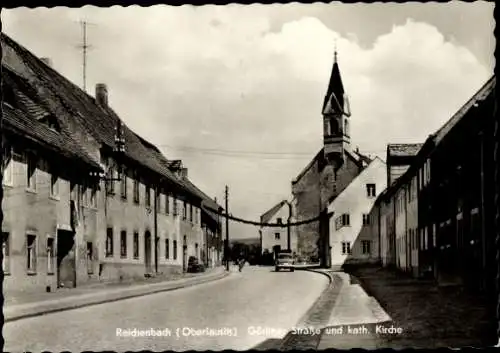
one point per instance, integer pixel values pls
(167, 249)
(167, 204)
(428, 170)
(346, 248)
(148, 196)
(136, 189)
(370, 190)
(184, 211)
(276, 236)
(31, 252)
(31, 172)
(50, 255)
(123, 244)
(90, 256)
(83, 193)
(110, 182)
(109, 242)
(176, 208)
(136, 245)
(6, 252)
(196, 250)
(93, 196)
(346, 219)
(366, 219)
(54, 184)
(123, 185)
(8, 167)
(191, 213)
(279, 221)
(175, 249)
(366, 244)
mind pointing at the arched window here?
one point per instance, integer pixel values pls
(334, 126)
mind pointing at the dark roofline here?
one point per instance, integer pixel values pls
(307, 167)
(432, 142)
(266, 216)
(76, 99)
(11, 115)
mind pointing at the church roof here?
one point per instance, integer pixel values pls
(334, 97)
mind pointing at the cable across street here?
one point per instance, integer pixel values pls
(262, 224)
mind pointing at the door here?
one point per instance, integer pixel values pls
(184, 258)
(147, 251)
(66, 267)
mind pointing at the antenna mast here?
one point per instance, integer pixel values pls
(85, 47)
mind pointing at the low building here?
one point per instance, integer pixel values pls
(351, 239)
(275, 239)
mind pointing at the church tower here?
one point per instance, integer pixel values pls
(336, 113)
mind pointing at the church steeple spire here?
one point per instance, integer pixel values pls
(335, 87)
(336, 113)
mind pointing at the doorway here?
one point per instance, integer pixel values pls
(66, 267)
(147, 251)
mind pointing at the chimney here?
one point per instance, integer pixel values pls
(101, 94)
(47, 61)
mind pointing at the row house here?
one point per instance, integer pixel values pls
(351, 240)
(434, 219)
(107, 204)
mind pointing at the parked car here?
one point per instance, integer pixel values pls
(284, 261)
(194, 266)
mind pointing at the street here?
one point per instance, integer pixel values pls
(270, 303)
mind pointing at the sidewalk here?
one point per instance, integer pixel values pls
(66, 299)
(430, 317)
(353, 320)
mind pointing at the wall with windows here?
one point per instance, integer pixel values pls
(273, 236)
(415, 234)
(350, 237)
(35, 205)
(402, 241)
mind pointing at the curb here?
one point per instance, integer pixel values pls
(101, 298)
(311, 340)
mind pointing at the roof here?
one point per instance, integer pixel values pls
(370, 164)
(334, 97)
(433, 140)
(480, 96)
(307, 167)
(19, 123)
(356, 156)
(271, 212)
(403, 149)
(72, 106)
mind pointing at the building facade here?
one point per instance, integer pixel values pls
(351, 237)
(275, 239)
(444, 203)
(328, 174)
(86, 199)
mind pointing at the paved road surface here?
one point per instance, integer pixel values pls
(256, 297)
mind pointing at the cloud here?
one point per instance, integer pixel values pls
(218, 78)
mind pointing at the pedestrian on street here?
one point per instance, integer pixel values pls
(241, 262)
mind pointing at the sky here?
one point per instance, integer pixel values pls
(236, 91)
